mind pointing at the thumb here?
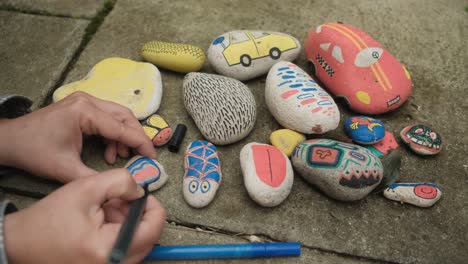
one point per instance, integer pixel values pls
(116, 183)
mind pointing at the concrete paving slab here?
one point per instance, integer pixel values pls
(71, 8)
(34, 52)
(180, 235)
(429, 42)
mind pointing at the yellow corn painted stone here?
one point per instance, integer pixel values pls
(174, 56)
(157, 129)
(135, 85)
(286, 140)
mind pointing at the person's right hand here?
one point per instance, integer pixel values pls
(79, 222)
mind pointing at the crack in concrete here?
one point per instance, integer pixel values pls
(7, 7)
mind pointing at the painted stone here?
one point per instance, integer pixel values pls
(246, 54)
(135, 85)
(356, 67)
(268, 174)
(176, 57)
(297, 102)
(342, 171)
(419, 194)
(365, 130)
(202, 173)
(157, 129)
(145, 170)
(286, 140)
(422, 139)
(384, 146)
(223, 108)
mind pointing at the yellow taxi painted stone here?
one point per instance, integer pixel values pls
(176, 57)
(286, 140)
(135, 85)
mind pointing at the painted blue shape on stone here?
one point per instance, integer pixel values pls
(365, 130)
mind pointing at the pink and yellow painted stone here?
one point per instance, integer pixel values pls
(356, 67)
(384, 146)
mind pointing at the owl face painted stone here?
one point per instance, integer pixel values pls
(202, 173)
(147, 171)
(422, 139)
(345, 172)
(357, 68)
(419, 194)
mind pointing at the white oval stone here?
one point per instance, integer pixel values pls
(297, 102)
(223, 108)
(246, 54)
(342, 171)
(419, 194)
(146, 170)
(268, 174)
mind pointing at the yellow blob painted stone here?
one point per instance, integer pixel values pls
(286, 140)
(174, 56)
(135, 85)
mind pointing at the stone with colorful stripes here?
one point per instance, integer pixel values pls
(419, 194)
(297, 102)
(147, 171)
(354, 66)
(268, 174)
(202, 173)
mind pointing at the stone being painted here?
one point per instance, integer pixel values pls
(146, 170)
(202, 173)
(268, 174)
(223, 108)
(176, 57)
(422, 139)
(365, 130)
(356, 67)
(158, 130)
(342, 171)
(297, 102)
(135, 85)
(246, 54)
(419, 194)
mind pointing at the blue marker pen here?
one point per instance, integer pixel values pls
(225, 251)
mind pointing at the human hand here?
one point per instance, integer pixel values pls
(48, 142)
(79, 222)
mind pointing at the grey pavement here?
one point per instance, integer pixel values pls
(428, 37)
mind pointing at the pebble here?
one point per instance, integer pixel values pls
(268, 174)
(365, 130)
(422, 139)
(357, 68)
(176, 57)
(342, 171)
(419, 194)
(297, 102)
(202, 176)
(135, 85)
(286, 140)
(384, 146)
(158, 130)
(146, 170)
(223, 108)
(246, 54)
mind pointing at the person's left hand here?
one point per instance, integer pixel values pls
(48, 142)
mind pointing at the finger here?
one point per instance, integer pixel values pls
(150, 228)
(122, 150)
(115, 211)
(110, 152)
(100, 122)
(111, 184)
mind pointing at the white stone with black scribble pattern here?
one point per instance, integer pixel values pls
(223, 108)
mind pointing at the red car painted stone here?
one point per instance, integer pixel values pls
(356, 67)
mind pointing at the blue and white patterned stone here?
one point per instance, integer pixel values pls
(365, 130)
(202, 173)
